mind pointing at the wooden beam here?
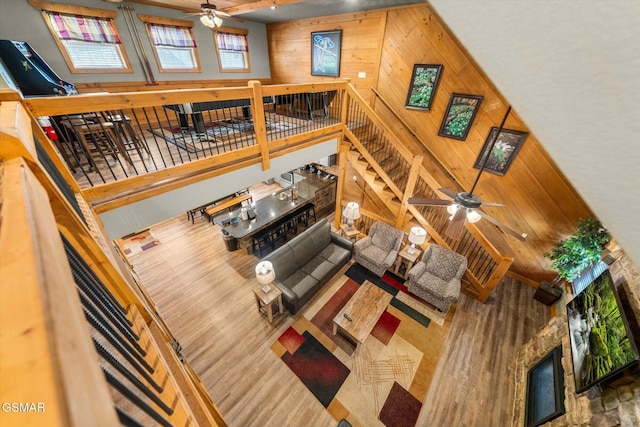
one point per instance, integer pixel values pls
(258, 5)
(257, 111)
(408, 192)
(342, 174)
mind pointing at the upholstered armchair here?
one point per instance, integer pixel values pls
(436, 278)
(378, 251)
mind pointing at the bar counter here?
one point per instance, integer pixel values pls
(268, 210)
(271, 209)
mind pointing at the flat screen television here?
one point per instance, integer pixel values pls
(602, 344)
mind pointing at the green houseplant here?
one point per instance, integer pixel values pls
(571, 256)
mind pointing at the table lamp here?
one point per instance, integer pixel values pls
(351, 212)
(265, 275)
(417, 236)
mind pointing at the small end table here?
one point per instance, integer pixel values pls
(265, 301)
(351, 234)
(406, 258)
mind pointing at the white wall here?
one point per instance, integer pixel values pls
(571, 70)
(20, 21)
(142, 214)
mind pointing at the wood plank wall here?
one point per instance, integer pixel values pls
(386, 44)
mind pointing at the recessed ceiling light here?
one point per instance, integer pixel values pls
(273, 7)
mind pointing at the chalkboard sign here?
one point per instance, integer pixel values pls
(325, 53)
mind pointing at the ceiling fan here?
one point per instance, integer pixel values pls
(211, 17)
(464, 206)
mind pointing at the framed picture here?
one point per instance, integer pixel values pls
(504, 150)
(424, 82)
(459, 116)
(325, 53)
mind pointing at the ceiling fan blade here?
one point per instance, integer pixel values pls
(519, 236)
(448, 192)
(428, 202)
(497, 205)
(456, 225)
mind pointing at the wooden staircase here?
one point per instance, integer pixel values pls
(375, 182)
(395, 174)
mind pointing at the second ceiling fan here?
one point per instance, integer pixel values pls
(211, 17)
(464, 206)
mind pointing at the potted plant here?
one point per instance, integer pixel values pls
(571, 256)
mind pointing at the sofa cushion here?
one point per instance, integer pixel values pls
(303, 250)
(301, 283)
(318, 267)
(443, 264)
(384, 236)
(375, 254)
(320, 234)
(335, 254)
(283, 261)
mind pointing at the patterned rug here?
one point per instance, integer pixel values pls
(223, 132)
(382, 384)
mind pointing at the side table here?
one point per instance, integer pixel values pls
(349, 234)
(406, 258)
(265, 301)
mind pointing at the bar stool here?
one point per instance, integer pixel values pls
(126, 133)
(93, 138)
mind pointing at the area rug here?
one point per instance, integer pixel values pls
(385, 382)
(193, 142)
(138, 242)
(224, 132)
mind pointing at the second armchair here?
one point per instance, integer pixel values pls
(378, 251)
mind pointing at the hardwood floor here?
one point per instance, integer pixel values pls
(204, 294)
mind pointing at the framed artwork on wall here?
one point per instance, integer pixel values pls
(459, 115)
(504, 150)
(325, 53)
(423, 85)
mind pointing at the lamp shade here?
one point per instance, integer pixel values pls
(417, 235)
(207, 21)
(265, 272)
(351, 211)
(473, 216)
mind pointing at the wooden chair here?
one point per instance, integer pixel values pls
(96, 139)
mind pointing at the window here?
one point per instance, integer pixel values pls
(173, 43)
(233, 49)
(87, 37)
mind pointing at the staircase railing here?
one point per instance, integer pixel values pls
(82, 346)
(394, 164)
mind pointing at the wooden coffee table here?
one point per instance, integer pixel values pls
(364, 309)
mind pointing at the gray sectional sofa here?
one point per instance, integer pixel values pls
(306, 263)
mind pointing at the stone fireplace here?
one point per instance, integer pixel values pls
(615, 405)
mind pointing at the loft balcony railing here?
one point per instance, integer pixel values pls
(104, 138)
